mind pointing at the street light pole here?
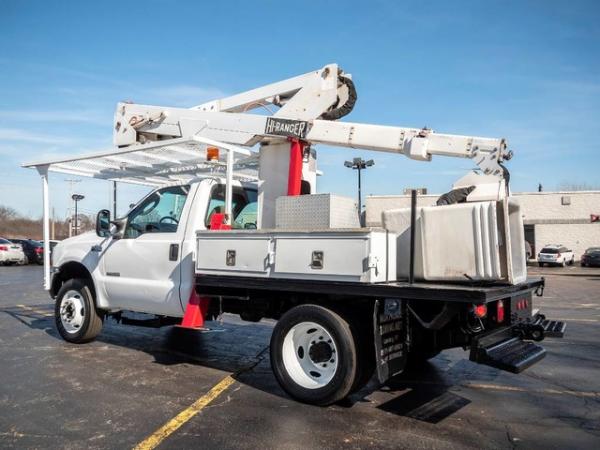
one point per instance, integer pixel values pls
(359, 164)
(76, 198)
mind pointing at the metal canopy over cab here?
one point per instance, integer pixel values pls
(159, 163)
(155, 164)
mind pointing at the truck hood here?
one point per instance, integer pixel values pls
(76, 248)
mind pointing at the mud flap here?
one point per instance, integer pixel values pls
(390, 336)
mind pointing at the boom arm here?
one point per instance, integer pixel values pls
(302, 101)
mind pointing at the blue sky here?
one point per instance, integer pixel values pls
(526, 71)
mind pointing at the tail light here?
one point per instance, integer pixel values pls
(500, 311)
(39, 250)
(3, 248)
(558, 255)
(480, 311)
(522, 304)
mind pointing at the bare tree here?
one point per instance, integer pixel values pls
(14, 225)
(7, 213)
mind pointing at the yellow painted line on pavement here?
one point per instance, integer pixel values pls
(184, 416)
(498, 387)
(37, 311)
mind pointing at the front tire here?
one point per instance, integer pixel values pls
(541, 264)
(314, 355)
(75, 314)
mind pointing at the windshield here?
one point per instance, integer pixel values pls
(5, 241)
(592, 250)
(552, 251)
(158, 213)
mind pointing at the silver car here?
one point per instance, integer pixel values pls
(556, 255)
(11, 253)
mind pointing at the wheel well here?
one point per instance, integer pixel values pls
(69, 271)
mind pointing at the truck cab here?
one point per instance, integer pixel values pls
(145, 263)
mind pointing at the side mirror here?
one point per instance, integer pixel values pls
(103, 223)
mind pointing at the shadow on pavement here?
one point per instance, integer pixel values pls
(243, 351)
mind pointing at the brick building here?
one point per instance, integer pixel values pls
(549, 217)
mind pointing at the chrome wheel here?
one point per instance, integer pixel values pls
(72, 311)
(310, 355)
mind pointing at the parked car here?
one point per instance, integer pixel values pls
(591, 257)
(11, 253)
(34, 250)
(556, 255)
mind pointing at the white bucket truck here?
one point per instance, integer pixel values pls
(234, 224)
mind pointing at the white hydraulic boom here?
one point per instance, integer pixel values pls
(308, 105)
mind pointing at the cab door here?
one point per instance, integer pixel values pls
(142, 270)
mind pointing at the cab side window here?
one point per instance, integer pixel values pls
(158, 213)
(243, 208)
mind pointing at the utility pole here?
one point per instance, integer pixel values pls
(359, 164)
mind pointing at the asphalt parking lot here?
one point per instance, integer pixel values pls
(118, 391)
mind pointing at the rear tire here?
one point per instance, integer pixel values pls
(314, 355)
(75, 314)
(541, 264)
(365, 351)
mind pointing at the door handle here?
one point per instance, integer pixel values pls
(173, 252)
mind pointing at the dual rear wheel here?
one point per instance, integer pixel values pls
(318, 356)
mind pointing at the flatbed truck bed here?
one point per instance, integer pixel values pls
(443, 291)
(398, 322)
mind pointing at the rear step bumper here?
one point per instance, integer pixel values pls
(552, 328)
(509, 349)
(513, 355)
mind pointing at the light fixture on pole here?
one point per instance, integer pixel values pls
(359, 164)
(76, 198)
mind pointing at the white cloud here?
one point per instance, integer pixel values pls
(185, 95)
(18, 135)
(82, 116)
